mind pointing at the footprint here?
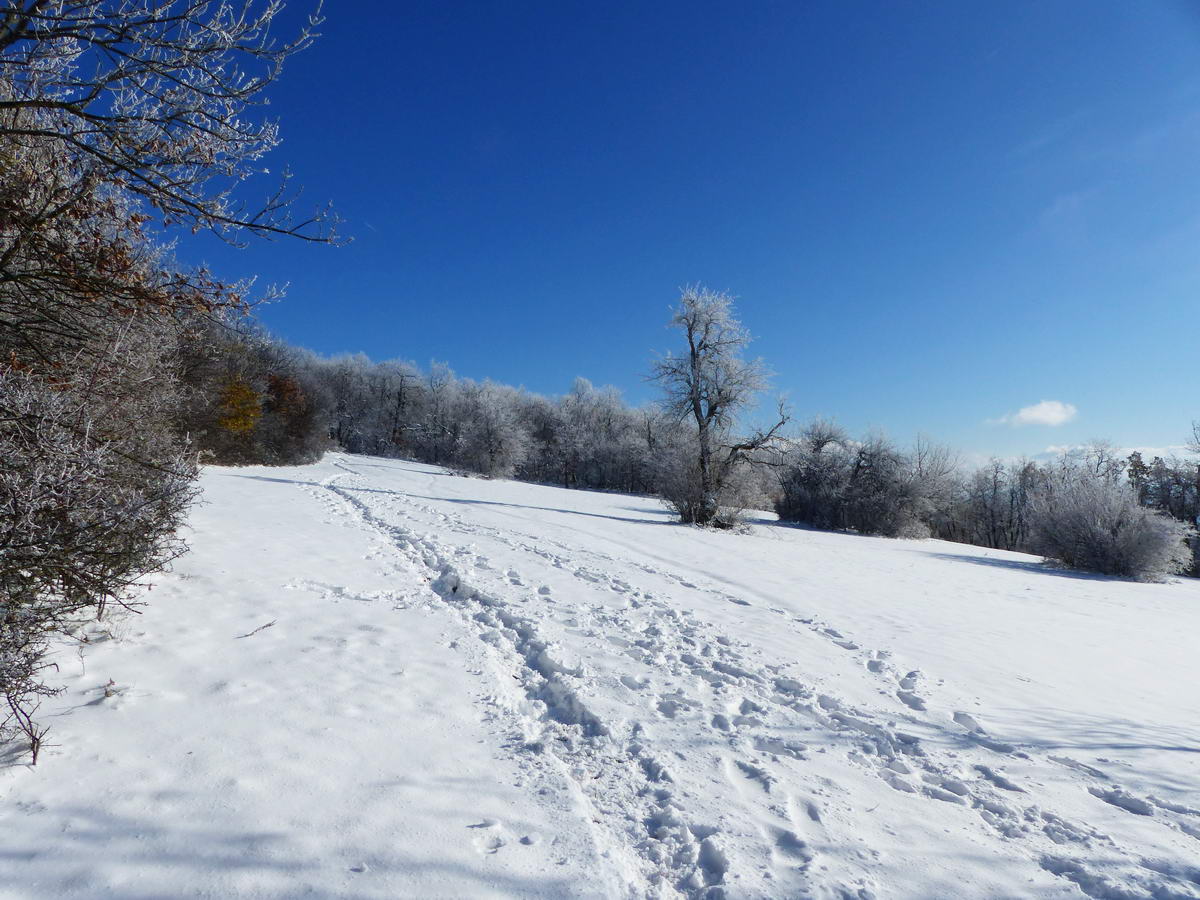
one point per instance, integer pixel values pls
(789, 844)
(1078, 766)
(491, 844)
(967, 721)
(671, 704)
(713, 860)
(998, 779)
(489, 836)
(1123, 800)
(756, 773)
(777, 747)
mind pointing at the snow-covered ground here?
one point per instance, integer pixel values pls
(476, 688)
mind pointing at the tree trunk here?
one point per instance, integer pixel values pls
(708, 508)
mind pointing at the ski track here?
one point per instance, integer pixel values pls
(760, 721)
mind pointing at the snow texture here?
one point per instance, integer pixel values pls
(372, 678)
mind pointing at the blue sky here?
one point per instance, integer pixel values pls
(933, 214)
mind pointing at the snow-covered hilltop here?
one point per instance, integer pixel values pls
(372, 678)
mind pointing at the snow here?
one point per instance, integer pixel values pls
(372, 678)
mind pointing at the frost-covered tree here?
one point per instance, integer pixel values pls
(400, 400)
(709, 384)
(1171, 486)
(989, 506)
(882, 495)
(492, 440)
(250, 398)
(93, 479)
(600, 442)
(542, 421)
(815, 476)
(440, 427)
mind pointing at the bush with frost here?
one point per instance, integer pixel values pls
(1095, 523)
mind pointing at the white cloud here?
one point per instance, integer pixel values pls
(1048, 412)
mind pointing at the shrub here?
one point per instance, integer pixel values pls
(869, 487)
(1095, 524)
(682, 488)
(92, 490)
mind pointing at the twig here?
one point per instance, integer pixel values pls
(255, 631)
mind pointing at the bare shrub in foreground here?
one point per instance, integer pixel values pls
(93, 488)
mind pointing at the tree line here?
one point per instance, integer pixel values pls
(1091, 508)
(258, 400)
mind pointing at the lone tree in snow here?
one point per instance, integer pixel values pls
(710, 384)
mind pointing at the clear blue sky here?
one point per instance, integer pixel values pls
(933, 213)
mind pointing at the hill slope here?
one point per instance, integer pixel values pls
(371, 678)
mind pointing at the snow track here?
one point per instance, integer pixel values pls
(710, 768)
(375, 679)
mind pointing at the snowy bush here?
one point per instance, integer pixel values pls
(882, 496)
(1095, 523)
(815, 477)
(869, 486)
(93, 488)
(682, 488)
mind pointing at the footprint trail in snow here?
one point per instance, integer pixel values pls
(709, 767)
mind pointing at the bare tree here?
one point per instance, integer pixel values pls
(934, 470)
(710, 384)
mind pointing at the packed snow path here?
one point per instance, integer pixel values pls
(373, 678)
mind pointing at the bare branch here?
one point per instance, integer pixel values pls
(157, 95)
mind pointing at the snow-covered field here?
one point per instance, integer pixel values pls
(476, 688)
